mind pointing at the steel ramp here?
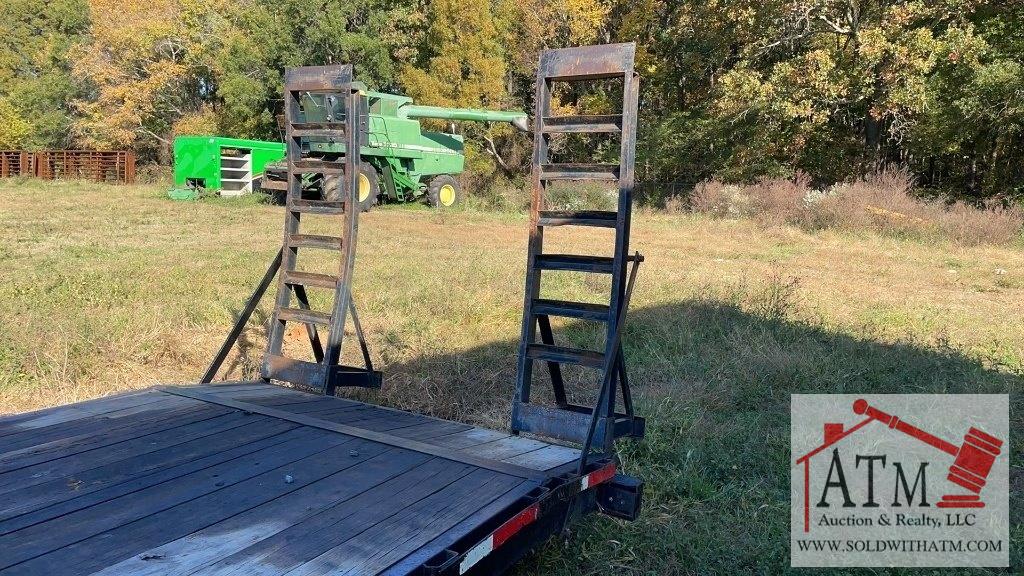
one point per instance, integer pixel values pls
(601, 424)
(326, 373)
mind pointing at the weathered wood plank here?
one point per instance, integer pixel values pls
(125, 541)
(88, 441)
(429, 430)
(383, 544)
(109, 422)
(346, 413)
(270, 393)
(274, 395)
(373, 420)
(45, 537)
(382, 437)
(324, 405)
(67, 480)
(467, 438)
(526, 452)
(68, 462)
(292, 547)
(505, 448)
(218, 387)
(546, 458)
(190, 553)
(59, 414)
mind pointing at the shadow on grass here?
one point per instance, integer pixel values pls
(714, 380)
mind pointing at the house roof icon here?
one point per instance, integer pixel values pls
(834, 433)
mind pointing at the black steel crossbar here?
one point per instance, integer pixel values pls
(243, 319)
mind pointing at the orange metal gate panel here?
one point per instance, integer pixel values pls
(116, 166)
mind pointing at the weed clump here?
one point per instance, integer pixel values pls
(883, 201)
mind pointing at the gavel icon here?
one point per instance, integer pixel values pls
(972, 460)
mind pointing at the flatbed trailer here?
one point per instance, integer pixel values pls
(255, 478)
(281, 476)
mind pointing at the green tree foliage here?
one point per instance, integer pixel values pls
(741, 90)
(34, 41)
(732, 89)
(14, 129)
(971, 132)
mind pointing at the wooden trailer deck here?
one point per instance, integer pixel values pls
(253, 478)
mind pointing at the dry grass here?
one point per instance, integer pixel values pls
(104, 289)
(883, 202)
(96, 299)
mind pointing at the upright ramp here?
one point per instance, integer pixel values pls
(599, 424)
(346, 121)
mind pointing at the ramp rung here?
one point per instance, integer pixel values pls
(271, 184)
(304, 316)
(334, 134)
(598, 218)
(587, 62)
(575, 263)
(565, 355)
(318, 78)
(314, 241)
(324, 207)
(556, 423)
(334, 125)
(571, 423)
(327, 167)
(310, 279)
(579, 172)
(360, 377)
(580, 310)
(291, 370)
(311, 374)
(593, 124)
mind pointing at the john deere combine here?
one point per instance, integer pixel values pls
(400, 161)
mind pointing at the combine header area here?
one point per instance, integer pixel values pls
(264, 478)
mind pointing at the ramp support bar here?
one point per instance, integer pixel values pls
(250, 307)
(243, 319)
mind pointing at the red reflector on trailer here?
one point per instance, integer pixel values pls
(597, 476)
(515, 524)
(507, 530)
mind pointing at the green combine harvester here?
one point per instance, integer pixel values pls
(400, 161)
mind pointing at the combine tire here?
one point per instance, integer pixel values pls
(369, 187)
(444, 192)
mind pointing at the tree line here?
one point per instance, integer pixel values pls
(737, 90)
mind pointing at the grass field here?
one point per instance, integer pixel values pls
(104, 289)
